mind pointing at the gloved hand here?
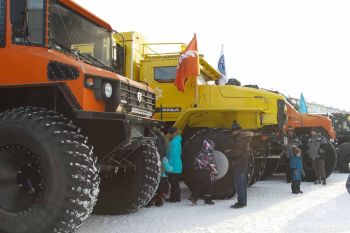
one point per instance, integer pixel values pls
(233, 163)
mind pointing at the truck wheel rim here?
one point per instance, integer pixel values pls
(221, 163)
(21, 179)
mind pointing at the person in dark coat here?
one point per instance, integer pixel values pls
(348, 184)
(174, 157)
(296, 166)
(239, 162)
(205, 171)
(317, 153)
(292, 140)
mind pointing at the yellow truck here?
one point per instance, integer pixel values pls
(204, 110)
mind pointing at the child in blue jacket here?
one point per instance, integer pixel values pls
(163, 187)
(296, 166)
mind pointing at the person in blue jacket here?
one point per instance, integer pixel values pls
(163, 187)
(296, 166)
(174, 158)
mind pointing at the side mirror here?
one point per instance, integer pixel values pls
(19, 15)
(119, 59)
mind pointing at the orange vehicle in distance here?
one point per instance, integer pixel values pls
(302, 124)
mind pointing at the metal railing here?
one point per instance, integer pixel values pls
(160, 49)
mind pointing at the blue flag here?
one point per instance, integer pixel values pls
(221, 63)
(221, 68)
(302, 104)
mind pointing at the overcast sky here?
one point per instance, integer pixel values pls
(292, 46)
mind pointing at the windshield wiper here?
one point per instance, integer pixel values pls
(85, 56)
(96, 61)
(61, 46)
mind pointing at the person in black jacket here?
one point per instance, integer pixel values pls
(239, 161)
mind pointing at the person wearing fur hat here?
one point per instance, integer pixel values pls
(292, 140)
(239, 162)
(317, 154)
(296, 166)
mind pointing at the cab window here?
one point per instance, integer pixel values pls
(165, 74)
(27, 21)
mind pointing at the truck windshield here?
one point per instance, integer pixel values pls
(342, 125)
(70, 30)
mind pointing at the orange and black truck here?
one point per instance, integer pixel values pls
(75, 136)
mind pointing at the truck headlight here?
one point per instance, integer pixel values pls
(107, 90)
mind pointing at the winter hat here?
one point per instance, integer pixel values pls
(296, 150)
(172, 130)
(208, 144)
(235, 126)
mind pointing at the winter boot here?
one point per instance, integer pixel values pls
(149, 204)
(318, 181)
(298, 187)
(294, 187)
(158, 202)
(238, 205)
(193, 201)
(208, 200)
(324, 181)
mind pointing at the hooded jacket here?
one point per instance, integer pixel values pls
(294, 141)
(205, 159)
(174, 154)
(296, 166)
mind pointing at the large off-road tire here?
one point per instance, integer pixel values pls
(223, 184)
(131, 188)
(344, 158)
(251, 170)
(258, 170)
(330, 162)
(270, 167)
(48, 176)
(161, 143)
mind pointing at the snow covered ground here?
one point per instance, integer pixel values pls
(271, 208)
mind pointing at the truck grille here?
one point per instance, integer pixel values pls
(137, 98)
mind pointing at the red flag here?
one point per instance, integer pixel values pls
(188, 64)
